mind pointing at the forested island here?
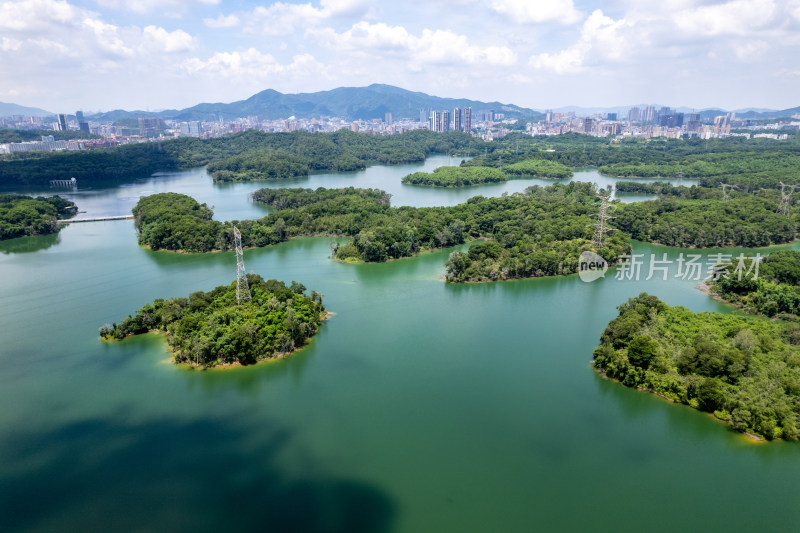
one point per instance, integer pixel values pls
(537, 233)
(744, 370)
(209, 328)
(456, 177)
(24, 216)
(470, 174)
(775, 291)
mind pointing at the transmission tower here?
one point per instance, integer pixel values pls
(601, 228)
(725, 188)
(242, 287)
(786, 198)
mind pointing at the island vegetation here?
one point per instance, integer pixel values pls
(210, 328)
(540, 168)
(744, 221)
(456, 177)
(23, 216)
(772, 288)
(743, 369)
(540, 232)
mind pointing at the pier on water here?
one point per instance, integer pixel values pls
(70, 183)
(95, 219)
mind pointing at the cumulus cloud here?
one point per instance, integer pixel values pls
(222, 21)
(173, 7)
(738, 17)
(284, 18)
(250, 64)
(601, 39)
(441, 47)
(537, 11)
(162, 40)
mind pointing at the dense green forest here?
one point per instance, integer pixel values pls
(22, 216)
(745, 370)
(209, 328)
(771, 288)
(236, 157)
(540, 168)
(537, 233)
(666, 189)
(258, 165)
(746, 221)
(456, 177)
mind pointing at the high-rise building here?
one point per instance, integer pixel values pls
(435, 121)
(649, 114)
(587, 125)
(467, 119)
(611, 116)
(457, 119)
(445, 121)
(82, 124)
(424, 114)
(388, 119)
(634, 114)
(150, 127)
(62, 122)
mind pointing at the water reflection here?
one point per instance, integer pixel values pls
(26, 245)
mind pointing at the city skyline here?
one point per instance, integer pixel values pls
(107, 54)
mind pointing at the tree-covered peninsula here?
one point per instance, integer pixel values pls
(456, 177)
(23, 216)
(771, 288)
(537, 233)
(746, 221)
(744, 370)
(209, 328)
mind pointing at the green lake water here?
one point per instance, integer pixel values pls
(419, 406)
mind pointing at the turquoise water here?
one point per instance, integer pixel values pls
(419, 406)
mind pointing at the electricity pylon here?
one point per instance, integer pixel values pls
(601, 228)
(786, 198)
(725, 188)
(242, 287)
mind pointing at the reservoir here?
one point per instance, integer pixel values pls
(419, 406)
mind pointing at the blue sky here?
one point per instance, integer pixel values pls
(105, 54)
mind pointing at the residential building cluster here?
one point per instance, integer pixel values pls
(642, 122)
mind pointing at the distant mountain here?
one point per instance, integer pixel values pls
(347, 102)
(7, 110)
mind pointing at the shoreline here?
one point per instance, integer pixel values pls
(751, 438)
(222, 366)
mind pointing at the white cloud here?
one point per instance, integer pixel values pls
(223, 21)
(10, 44)
(284, 18)
(249, 65)
(27, 15)
(163, 40)
(148, 6)
(601, 39)
(537, 11)
(738, 17)
(440, 47)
